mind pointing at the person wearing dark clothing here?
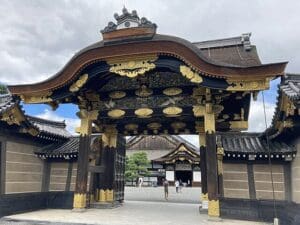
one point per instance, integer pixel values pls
(166, 188)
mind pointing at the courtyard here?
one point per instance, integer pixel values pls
(142, 206)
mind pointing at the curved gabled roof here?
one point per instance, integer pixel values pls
(43, 128)
(157, 44)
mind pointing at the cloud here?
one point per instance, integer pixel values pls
(39, 37)
(70, 122)
(257, 118)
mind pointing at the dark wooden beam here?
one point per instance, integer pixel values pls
(211, 164)
(287, 181)
(251, 182)
(2, 165)
(96, 169)
(46, 176)
(69, 176)
(203, 170)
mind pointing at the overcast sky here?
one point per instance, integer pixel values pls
(38, 37)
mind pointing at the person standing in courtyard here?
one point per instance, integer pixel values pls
(177, 186)
(166, 188)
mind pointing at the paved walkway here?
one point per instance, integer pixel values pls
(187, 195)
(132, 213)
(143, 206)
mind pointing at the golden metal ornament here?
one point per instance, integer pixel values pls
(102, 195)
(178, 125)
(214, 208)
(199, 110)
(13, 116)
(204, 197)
(172, 111)
(109, 195)
(79, 83)
(172, 91)
(79, 201)
(132, 67)
(109, 137)
(117, 94)
(38, 98)
(143, 112)
(131, 126)
(238, 125)
(154, 126)
(248, 85)
(191, 75)
(116, 113)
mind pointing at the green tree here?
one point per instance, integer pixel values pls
(136, 165)
(3, 89)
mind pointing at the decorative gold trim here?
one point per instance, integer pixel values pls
(209, 123)
(199, 110)
(214, 208)
(117, 94)
(143, 112)
(131, 127)
(87, 118)
(13, 116)
(132, 67)
(109, 137)
(204, 197)
(79, 201)
(79, 83)
(220, 154)
(172, 91)
(172, 111)
(238, 125)
(191, 75)
(248, 85)
(102, 195)
(39, 98)
(116, 113)
(109, 195)
(154, 126)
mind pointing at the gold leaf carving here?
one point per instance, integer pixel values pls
(117, 94)
(131, 127)
(172, 111)
(116, 113)
(154, 126)
(38, 98)
(132, 67)
(79, 201)
(191, 75)
(143, 112)
(178, 125)
(248, 85)
(214, 208)
(172, 91)
(79, 83)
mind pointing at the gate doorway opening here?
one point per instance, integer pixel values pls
(185, 177)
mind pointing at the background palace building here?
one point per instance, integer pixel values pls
(153, 87)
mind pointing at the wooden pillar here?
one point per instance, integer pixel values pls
(109, 144)
(80, 195)
(211, 162)
(220, 154)
(204, 196)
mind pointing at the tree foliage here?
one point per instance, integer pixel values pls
(136, 165)
(3, 89)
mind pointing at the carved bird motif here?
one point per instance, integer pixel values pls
(171, 101)
(110, 104)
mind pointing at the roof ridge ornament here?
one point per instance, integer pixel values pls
(128, 20)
